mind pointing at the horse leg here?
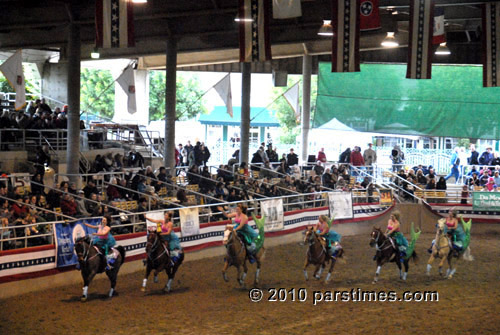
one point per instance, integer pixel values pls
(319, 270)
(451, 270)
(377, 273)
(86, 283)
(327, 279)
(441, 265)
(155, 277)
(170, 276)
(245, 271)
(224, 275)
(306, 263)
(257, 273)
(146, 276)
(429, 264)
(406, 263)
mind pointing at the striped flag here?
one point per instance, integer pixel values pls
(255, 44)
(345, 41)
(491, 44)
(114, 20)
(438, 35)
(12, 69)
(420, 39)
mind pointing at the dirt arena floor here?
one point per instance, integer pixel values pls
(202, 303)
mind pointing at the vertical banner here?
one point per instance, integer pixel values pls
(223, 88)
(345, 40)
(190, 221)
(12, 69)
(491, 44)
(370, 17)
(127, 82)
(386, 197)
(273, 210)
(438, 35)
(340, 204)
(114, 21)
(66, 235)
(255, 43)
(420, 39)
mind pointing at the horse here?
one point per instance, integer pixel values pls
(317, 254)
(236, 255)
(159, 259)
(92, 261)
(387, 252)
(440, 248)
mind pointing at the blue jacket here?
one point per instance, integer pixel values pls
(454, 157)
(486, 158)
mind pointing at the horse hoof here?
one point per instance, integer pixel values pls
(241, 282)
(166, 290)
(83, 299)
(155, 279)
(449, 277)
(225, 277)
(317, 277)
(143, 289)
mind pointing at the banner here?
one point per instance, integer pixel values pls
(491, 44)
(370, 17)
(127, 82)
(66, 235)
(345, 40)
(114, 20)
(340, 204)
(273, 210)
(386, 197)
(20, 180)
(155, 216)
(12, 69)
(486, 201)
(292, 97)
(420, 39)
(223, 88)
(190, 221)
(438, 35)
(255, 44)
(286, 9)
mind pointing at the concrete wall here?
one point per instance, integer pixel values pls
(10, 160)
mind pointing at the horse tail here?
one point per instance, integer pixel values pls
(467, 255)
(341, 257)
(122, 252)
(414, 256)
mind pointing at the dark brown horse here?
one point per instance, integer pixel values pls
(159, 258)
(92, 262)
(317, 254)
(387, 252)
(236, 255)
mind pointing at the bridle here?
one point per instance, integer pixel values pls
(154, 246)
(312, 238)
(83, 256)
(230, 242)
(375, 240)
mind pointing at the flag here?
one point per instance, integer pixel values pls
(12, 69)
(292, 97)
(127, 82)
(491, 44)
(255, 45)
(286, 9)
(223, 87)
(369, 15)
(345, 41)
(438, 35)
(420, 39)
(114, 20)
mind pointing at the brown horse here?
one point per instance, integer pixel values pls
(92, 262)
(159, 259)
(387, 252)
(318, 255)
(236, 255)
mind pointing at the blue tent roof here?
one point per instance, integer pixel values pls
(259, 117)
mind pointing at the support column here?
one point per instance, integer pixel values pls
(170, 100)
(306, 104)
(73, 146)
(246, 76)
(224, 134)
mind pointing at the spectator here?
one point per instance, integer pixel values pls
(321, 156)
(90, 188)
(464, 195)
(80, 205)
(42, 159)
(431, 184)
(370, 157)
(397, 157)
(292, 158)
(356, 159)
(204, 155)
(318, 168)
(345, 157)
(473, 159)
(486, 157)
(272, 154)
(68, 205)
(256, 161)
(455, 163)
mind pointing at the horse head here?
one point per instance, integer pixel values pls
(151, 241)
(81, 246)
(309, 234)
(441, 226)
(376, 235)
(227, 234)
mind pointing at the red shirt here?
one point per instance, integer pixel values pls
(357, 159)
(321, 157)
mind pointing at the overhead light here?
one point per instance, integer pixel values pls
(95, 54)
(243, 19)
(326, 29)
(443, 49)
(139, 1)
(390, 41)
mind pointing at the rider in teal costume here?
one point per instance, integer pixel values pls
(103, 238)
(323, 229)
(393, 230)
(166, 230)
(243, 229)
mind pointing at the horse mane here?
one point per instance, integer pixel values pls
(85, 238)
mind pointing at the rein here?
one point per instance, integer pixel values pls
(230, 243)
(379, 247)
(313, 239)
(154, 246)
(86, 251)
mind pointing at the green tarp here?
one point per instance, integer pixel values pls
(380, 99)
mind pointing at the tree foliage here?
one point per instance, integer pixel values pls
(97, 94)
(189, 103)
(289, 125)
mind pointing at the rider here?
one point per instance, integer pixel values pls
(244, 231)
(393, 230)
(104, 239)
(331, 236)
(166, 229)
